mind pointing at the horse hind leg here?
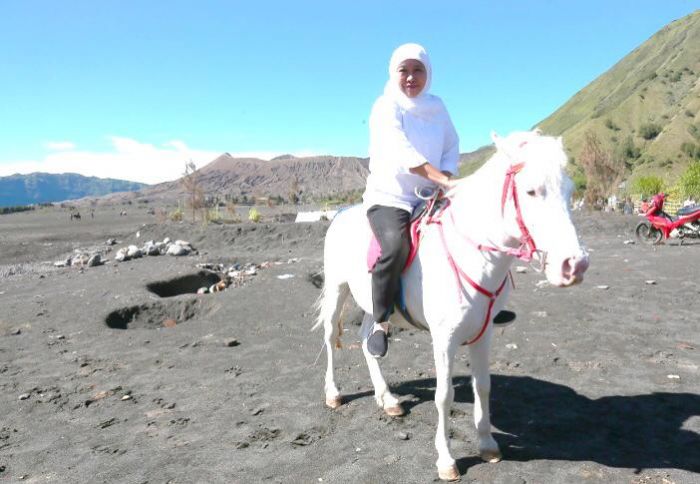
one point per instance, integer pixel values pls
(384, 398)
(330, 309)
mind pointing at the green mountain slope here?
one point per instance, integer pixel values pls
(645, 110)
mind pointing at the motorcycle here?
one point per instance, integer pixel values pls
(660, 226)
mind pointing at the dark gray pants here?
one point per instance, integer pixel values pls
(390, 226)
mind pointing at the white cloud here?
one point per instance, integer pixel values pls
(60, 145)
(129, 159)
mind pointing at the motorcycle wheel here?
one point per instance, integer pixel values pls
(647, 234)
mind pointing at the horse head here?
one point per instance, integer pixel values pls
(533, 190)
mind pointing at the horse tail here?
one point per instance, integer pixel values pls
(330, 309)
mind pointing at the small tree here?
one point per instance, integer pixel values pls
(602, 172)
(294, 191)
(191, 185)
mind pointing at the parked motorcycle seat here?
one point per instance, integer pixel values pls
(688, 210)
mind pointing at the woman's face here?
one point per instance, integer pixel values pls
(412, 77)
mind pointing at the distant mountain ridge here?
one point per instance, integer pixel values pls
(46, 187)
(314, 178)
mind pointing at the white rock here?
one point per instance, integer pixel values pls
(651, 282)
(133, 252)
(252, 271)
(673, 377)
(285, 276)
(166, 241)
(629, 242)
(512, 346)
(94, 261)
(121, 255)
(138, 234)
(177, 250)
(183, 243)
(521, 269)
(540, 314)
(603, 287)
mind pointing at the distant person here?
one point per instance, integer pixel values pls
(628, 208)
(412, 144)
(689, 202)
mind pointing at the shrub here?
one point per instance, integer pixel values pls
(610, 125)
(691, 149)
(254, 215)
(647, 186)
(649, 131)
(689, 182)
(689, 113)
(694, 131)
(627, 150)
(176, 215)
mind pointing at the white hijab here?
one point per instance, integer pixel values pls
(424, 105)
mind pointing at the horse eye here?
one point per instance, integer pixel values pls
(532, 193)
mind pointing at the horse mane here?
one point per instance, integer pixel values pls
(531, 147)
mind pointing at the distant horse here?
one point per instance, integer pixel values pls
(75, 215)
(515, 206)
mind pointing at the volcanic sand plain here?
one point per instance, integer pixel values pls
(596, 383)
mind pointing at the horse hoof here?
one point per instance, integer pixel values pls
(491, 456)
(449, 473)
(395, 411)
(334, 402)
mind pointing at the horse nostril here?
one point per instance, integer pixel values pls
(567, 268)
(575, 266)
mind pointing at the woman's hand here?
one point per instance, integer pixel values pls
(428, 171)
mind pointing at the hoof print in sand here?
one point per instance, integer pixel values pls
(188, 284)
(155, 315)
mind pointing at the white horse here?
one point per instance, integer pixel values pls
(515, 206)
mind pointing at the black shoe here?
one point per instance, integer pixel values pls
(377, 344)
(504, 317)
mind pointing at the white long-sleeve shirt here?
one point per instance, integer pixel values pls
(401, 140)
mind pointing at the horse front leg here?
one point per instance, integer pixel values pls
(385, 399)
(481, 383)
(444, 396)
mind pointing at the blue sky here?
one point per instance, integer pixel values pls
(132, 89)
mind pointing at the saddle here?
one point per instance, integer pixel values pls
(427, 208)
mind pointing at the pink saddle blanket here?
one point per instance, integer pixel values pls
(374, 251)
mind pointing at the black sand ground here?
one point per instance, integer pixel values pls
(589, 385)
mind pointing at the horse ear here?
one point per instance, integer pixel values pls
(537, 131)
(495, 138)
